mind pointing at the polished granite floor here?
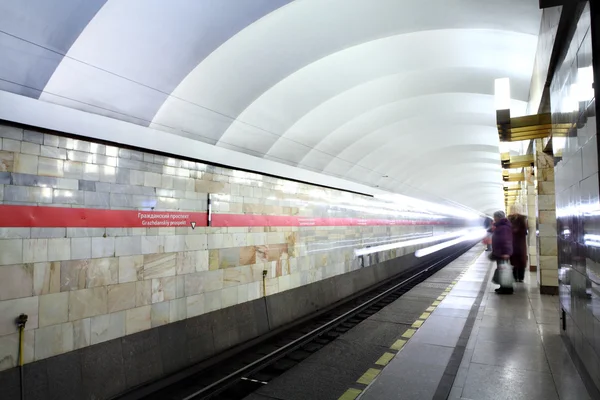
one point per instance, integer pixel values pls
(514, 350)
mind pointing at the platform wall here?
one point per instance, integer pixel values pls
(82, 285)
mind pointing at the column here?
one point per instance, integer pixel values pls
(547, 248)
(531, 218)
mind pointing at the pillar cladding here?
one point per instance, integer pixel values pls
(547, 248)
(531, 219)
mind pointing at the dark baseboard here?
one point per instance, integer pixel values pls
(550, 290)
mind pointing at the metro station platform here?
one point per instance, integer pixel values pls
(476, 344)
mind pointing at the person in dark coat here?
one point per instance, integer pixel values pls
(518, 259)
(502, 245)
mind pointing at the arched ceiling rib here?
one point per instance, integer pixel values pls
(358, 89)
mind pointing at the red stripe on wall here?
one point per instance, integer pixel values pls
(59, 217)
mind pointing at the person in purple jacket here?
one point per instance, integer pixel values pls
(502, 245)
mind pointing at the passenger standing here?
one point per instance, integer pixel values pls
(489, 227)
(519, 255)
(502, 246)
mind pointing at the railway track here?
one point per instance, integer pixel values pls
(242, 374)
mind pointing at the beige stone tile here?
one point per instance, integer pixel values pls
(102, 272)
(242, 293)
(159, 265)
(50, 167)
(202, 263)
(138, 319)
(131, 268)
(143, 293)
(229, 257)
(247, 255)
(81, 248)
(548, 246)
(213, 260)
(212, 301)
(87, 303)
(46, 278)
(196, 242)
(11, 309)
(195, 305)
(73, 274)
(107, 327)
(11, 251)
(53, 340)
(159, 314)
(254, 290)
(103, 247)
(186, 262)
(177, 310)
(272, 286)
(180, 286)
(25, 164)
(35, 250)
(16, 281)
(59, 249)
(54, 309)
(9, 349)
(121, 296)
(81, 333)
(163, 289)
(7, 161)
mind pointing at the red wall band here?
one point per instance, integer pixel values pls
(61, 217)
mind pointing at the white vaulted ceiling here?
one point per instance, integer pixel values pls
(394, 94)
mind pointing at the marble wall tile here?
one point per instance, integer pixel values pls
(50, 167)
(212, 301)
(121, 296)
(229, 257)
(11, 309)
(159, 314)
(138, 319)
(35, 250)
(25, 163)
(163, 289)
(11, 132)
(30, 148)
(254, 290)
(26, 194)
(187, 261)
(16, 281)
(81, 248)
(196, 242)
(107, 327)
(247, 255)
(103, 247)
(152, 244)
(242, 293)
(53, 152)
(9, 349)
(53, 340)
(87, 303)
(143, 293)
(41, 233)
(53, 309)
(59, 249)
(213, 259)
(7, 161)
(102, 272)
(46, 278)
(85, 232)
(229, 296)
(81, 333)
(11, 251)
(548, 246)
(131, 268)
(159, 265)
(177, 310)
(195, 305)
(128, 245)
(175, 243)
(11, 145)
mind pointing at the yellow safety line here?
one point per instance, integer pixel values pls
(417, 324)
(398, 344)
(409, 333)
(430, 308)
(350, 394)
(368, 376)
(385, 358)
(425, 315)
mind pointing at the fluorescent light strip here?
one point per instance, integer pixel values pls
(473, 235)
(405, 243)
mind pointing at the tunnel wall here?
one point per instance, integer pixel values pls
(97, 243)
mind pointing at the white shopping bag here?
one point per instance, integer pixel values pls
(505, 274)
